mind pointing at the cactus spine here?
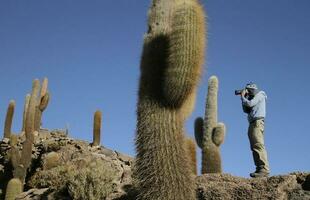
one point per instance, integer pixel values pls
(9, 119)
(97, 128)
(170, 71)
(209, 133)
(14, 188)
(41, 104)
(25, 111)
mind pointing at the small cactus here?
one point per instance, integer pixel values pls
(14, 188)
(9, 119)
(97, 128)
(209, 133)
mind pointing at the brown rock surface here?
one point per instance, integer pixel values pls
(228, 187)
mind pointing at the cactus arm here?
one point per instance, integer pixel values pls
(186, 53)
(44, 101)
(9, 119)
(25, 111)
(219, 134)
(44, 88)
(198, 127)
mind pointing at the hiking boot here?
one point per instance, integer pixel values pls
(259, 174)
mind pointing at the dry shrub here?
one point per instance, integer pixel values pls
(93, 182)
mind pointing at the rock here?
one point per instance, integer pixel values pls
(32, 194)
(228, 187)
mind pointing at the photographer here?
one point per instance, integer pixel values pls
(254, 104)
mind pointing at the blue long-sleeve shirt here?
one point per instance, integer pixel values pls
(257, 106)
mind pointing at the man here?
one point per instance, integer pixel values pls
(254, 104)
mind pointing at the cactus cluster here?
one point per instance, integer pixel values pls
(171, 65)
(209, 133)
(21, 160)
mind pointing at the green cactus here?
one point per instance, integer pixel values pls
(209, 133)
(42, 104)
(9, 119)
(97, 128)
(14, 188)
(170, 71)
(25, 112)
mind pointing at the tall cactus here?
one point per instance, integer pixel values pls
(9, 119)
(209, 133)
(21, 161)
(42, 103)
(14, 188)
(97, 128)
(170, 70)
(25, 111)
(31, 112)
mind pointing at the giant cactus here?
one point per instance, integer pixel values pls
(170, 70)
(209, 133)
(42, 103)
(9, 119)
(97, 128)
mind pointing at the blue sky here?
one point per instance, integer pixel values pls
(90, 51)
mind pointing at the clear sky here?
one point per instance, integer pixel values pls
(90, 51)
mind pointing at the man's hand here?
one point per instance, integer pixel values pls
(243, 93)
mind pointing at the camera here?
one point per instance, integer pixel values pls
(238, 92)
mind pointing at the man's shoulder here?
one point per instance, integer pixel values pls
(262, 94)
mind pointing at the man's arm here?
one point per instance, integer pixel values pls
(246, 109)
(252, 102)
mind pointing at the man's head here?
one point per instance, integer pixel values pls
(252, 89)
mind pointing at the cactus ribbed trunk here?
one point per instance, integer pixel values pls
(9, 119)
(97, 128)
(169, 63)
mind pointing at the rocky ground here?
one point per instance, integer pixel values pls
(64, 168)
